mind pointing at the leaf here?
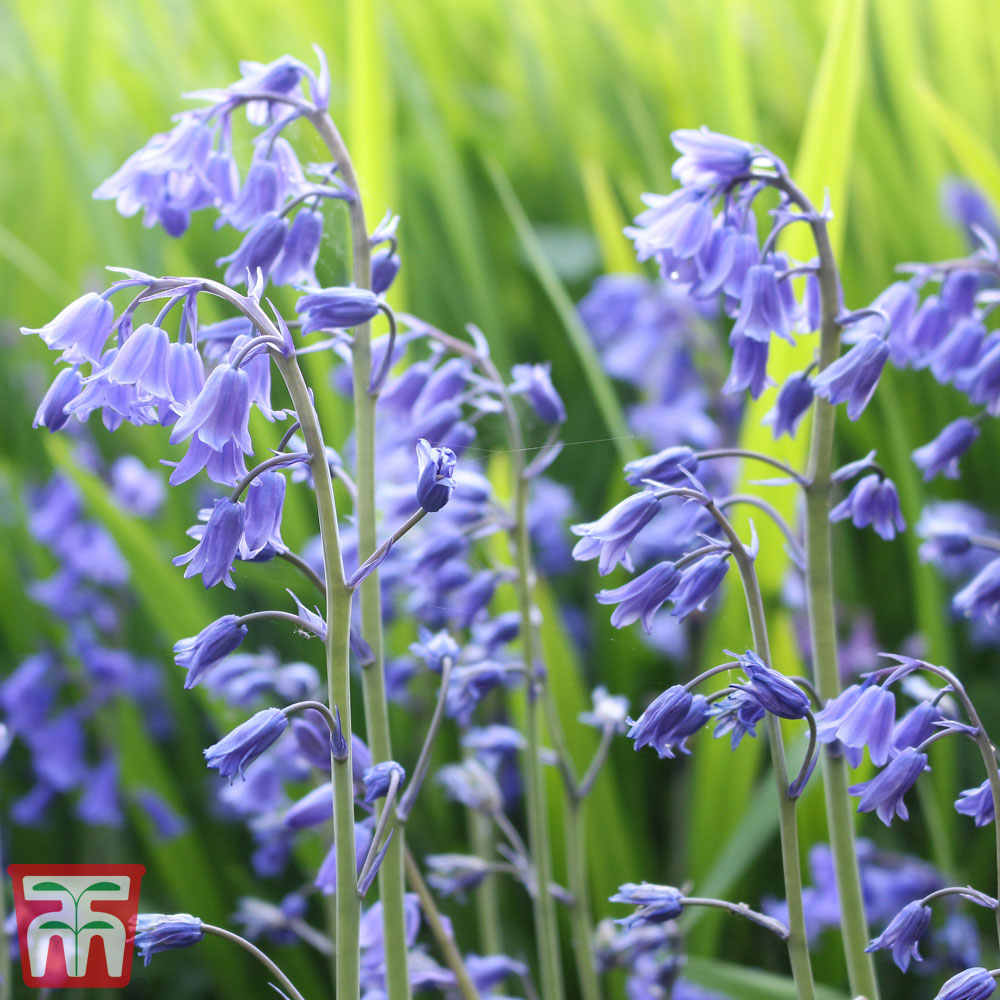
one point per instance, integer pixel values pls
(95, 925)
(747, 983)
(55, 925)
(51, 887)
(103, 887)
(598, 382)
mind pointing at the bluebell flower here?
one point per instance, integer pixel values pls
(142, 361)
(488, 971)
(313, 809)
(980, 597)
(535, 381)
(737, 714)
(966, 205)
(200, 654)
(156, 932)
(471, 784)
(220, 414)
(898, 303)
(216, 550)
(775, 692)
(790, 405)
(226, 466)
(698, 583)
(916, 726)
(655, 903)
(166, 823)
(642, 596)
(454, 874)
(237, 750)
(942, 454)
(903, 934)
(259, 196)
(959, 350)
(435, 482)
(972, 984)
(135, 487)
(258, 251)
(610, 711)
(981, 382)
(958, 292)
(667, 467)
(678, 223)
(977, 803)
(748, 370)
(336, 308)
(296, 264)
(385, 267)
(377, 779)
(265, 498)
(669, 720)
(185, 374)
(52, 413)
(709, 159)
(873, 500)
(762, 308)
(434, 647)
(884, 793)
(859, 718)
(853, 376)
(928, 329)
(81, 330)
(468, 686)
(610, 536)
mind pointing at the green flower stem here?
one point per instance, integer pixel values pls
(338, 626)
(390, 875)
(488, 893)
(580, 912)
(798, 945)
(822, 617)
(281, 979)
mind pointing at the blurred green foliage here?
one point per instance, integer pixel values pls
(514, 137)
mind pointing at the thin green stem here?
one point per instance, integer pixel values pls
(390, 876)
(797, 943)
(822, 618)
(580, 912)
(488, 893)
(338, 631)
(282, 980)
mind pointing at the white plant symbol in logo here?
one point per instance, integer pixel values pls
(76, 924)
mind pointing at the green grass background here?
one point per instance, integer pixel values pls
(514, 137)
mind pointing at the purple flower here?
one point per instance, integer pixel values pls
(982, 381)
(641, 597)
(220, 414)
(487, 971)
(667, 467)
(336, 308)
(610, 536)
(903, 934)
(237, 750)
(854, 376)
(942, 454)
(535, 381)
(435, 482)
(656, 903)
(216, 550)
(738, 714)
(296, 265)
(959, 350)
(156, 932)
(916, 726)
(709, 159)
(884, 793)
(965, 204)
(980, 597)
(898, 302)
(433, 648)
(749, 366)
(258, 251)
(81, 329)
(453, 874)
(874, 501)
(258, 196)
(471, 784)
(698, 583)
(609, 711)
(972, 984)
(793, 400)
(142, 361)
(200, 654)
(762, 309)
(928, 329)
(859, 718)
(51, 413)
(977, 803)
(669, 720)
(136, 488)
(265, 498)
(775, 692)
(385, 267)
(378, 778)
(677, 223)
